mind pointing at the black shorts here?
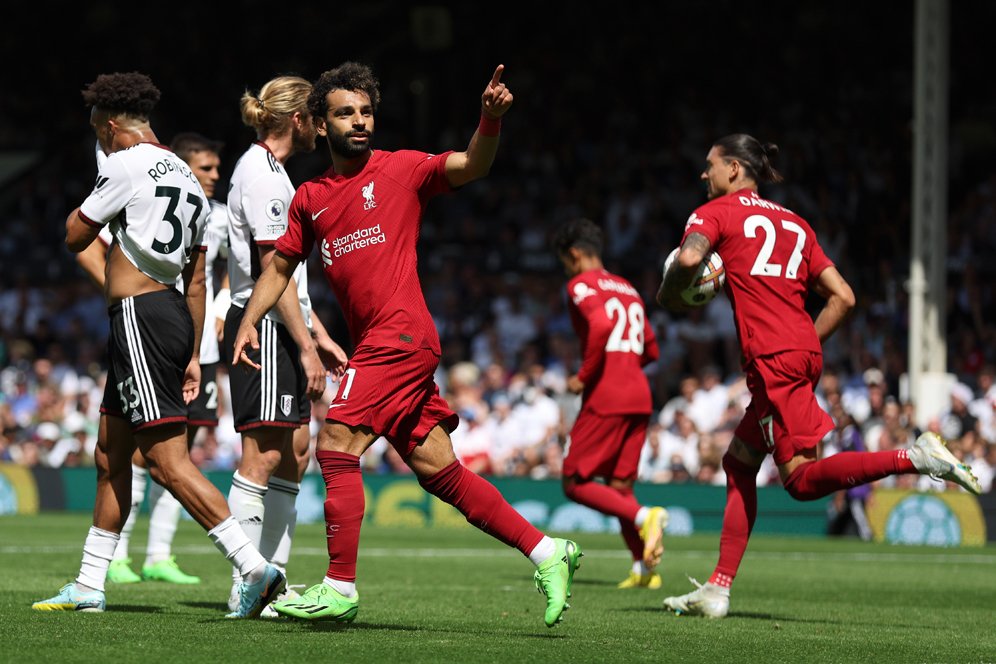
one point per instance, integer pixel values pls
(203, 412)
(150, 344)
(276, 395)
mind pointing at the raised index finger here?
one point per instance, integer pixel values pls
(496, 77)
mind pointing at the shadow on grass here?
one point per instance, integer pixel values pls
(594, 582)
(329, 626)
(215, 606)
(650, 608)
(133, 608)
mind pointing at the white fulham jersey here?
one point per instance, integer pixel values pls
(258, 198)
(216, 241)
(156, 209)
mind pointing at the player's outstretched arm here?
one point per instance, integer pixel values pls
(268, 289)
(476, 161)
(682, 271)
(840, 301)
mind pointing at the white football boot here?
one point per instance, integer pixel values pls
(931, 457)
(707, 600)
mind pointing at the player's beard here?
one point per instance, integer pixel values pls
(340, 144)
(304, 141)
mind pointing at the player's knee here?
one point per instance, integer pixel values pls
(160, 473)
(798, 486)
(733, 466)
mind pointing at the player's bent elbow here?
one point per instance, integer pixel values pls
(689, 259)
(847, 299)
(75, 245)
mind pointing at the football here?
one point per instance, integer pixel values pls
(709, 279)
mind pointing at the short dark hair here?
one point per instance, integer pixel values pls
(188, 143)
(582, 234)
(752, 154)
(128, 93)
(347, 76)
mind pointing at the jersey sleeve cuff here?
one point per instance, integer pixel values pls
(88, 221)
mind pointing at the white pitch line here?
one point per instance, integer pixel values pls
(380, 552)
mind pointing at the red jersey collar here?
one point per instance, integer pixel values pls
(332, 175)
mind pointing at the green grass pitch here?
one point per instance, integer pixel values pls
(457, 596)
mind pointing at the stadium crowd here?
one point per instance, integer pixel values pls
(497, 292)
(508, 346)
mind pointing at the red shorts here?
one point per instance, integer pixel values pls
(392, 391)
(783, 417)
(606, 446)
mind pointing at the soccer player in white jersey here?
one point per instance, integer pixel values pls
(157, 212)
(202, 155)
(272, 407)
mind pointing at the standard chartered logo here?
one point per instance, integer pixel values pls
(359, 239)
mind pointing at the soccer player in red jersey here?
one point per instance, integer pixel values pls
(364, 213)
(608, 435)
(772, 260)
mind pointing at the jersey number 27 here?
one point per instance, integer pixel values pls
(762, 264)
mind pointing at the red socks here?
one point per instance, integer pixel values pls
(845, 470)
(630, 533)
(483, 505)
(738, 519)
(344, 505)
(807, 482)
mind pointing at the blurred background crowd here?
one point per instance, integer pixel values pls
(615, 130)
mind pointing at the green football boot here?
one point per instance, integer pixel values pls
(320, 602)
(120, 572)
(168, 571)
(554, 577)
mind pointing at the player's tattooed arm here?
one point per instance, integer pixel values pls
(682, 270)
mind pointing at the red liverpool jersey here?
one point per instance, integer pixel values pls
(772, 258)
(616, 342)
(366, 226)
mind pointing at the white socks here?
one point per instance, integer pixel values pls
(345, 588)
(97, 552)
(639, 567)
(162, 524)
(236, 547)
(139, 478)
(641, 516)
(542, 551)
(279, 520)
(245, 499)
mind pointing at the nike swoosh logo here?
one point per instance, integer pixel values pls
(317, 214)
(336, 405)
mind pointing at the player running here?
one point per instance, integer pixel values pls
(611, 428)
(364, 214)
(772, 261)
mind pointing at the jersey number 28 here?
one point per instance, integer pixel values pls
(627, 329)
